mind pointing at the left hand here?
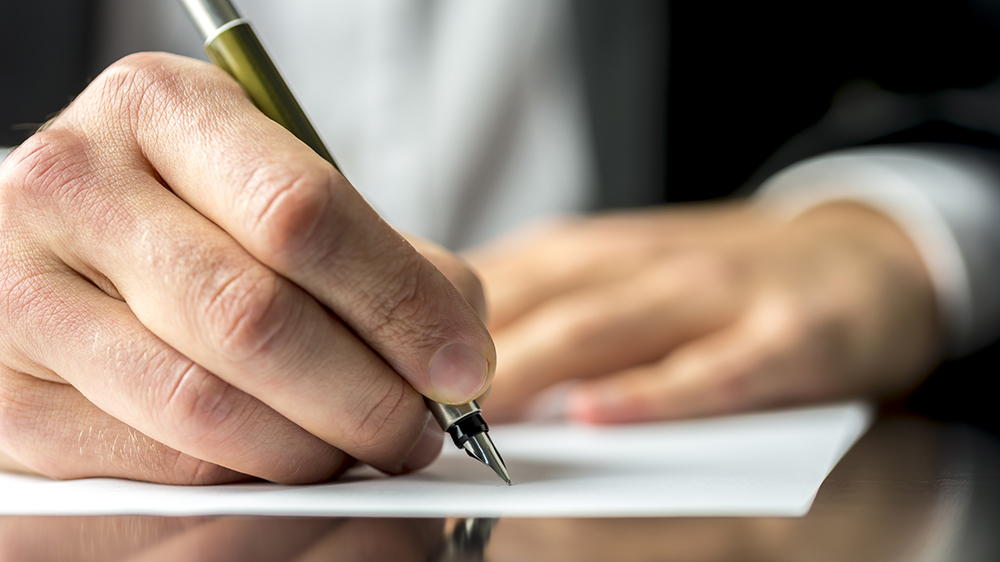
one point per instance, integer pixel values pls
(702, 311)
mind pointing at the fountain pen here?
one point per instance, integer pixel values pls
(232, 45)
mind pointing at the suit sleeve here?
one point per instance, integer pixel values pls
(947, 199)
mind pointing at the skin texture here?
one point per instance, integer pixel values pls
(698, 311)
(190, 295)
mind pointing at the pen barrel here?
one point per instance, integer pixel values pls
(209, 16)
(238, 51)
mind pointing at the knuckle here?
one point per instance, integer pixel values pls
(50, 166)
(287, 208)
(131, 87)
(780, 325)
(817, 344)
(130, 69)
(142, 90)
(245, 312)
(197, 407)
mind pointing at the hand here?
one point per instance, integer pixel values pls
(190, 295)
(676, 313)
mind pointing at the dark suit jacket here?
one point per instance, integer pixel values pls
(690, 100)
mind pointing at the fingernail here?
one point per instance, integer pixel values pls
(457, 373)
(427, 447)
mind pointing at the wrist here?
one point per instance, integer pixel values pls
(871, 277)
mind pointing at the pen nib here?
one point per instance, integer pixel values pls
(480, 447)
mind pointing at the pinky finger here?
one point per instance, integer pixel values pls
(49, 428)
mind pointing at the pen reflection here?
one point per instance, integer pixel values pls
(908, 490)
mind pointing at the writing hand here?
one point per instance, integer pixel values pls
(190, 295)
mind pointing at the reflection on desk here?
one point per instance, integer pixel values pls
(909, 490)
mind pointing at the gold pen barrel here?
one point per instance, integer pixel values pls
(233, 46)
(237, 50)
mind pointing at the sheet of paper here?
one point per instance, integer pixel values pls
(758, 464)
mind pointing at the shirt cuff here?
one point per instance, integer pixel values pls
(947, 199)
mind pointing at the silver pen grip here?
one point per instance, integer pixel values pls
(448, 416)
(462, 422)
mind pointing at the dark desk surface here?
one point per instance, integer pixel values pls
(910, 490)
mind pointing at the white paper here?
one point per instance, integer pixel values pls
(767, 464)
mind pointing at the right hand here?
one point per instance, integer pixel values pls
(190, 295)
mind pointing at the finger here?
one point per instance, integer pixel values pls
(608, 328)
(67, 326)
(543, 261)
(294, 213)
(192, 286)
(456, 270)
(51, 429)
(754, 363)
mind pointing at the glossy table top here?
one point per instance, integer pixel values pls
(910, 490)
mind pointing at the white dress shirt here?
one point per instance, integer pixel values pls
(456, 120)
